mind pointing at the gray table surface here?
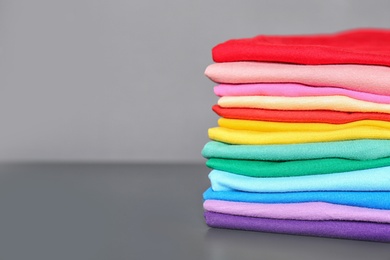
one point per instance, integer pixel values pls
(124, 211)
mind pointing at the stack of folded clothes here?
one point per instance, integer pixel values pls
(303, 143)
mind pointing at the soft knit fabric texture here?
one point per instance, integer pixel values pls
(364, 149)
(233, 136)
(294, 90)
(360, 46)
(368, 199)
(299, 211)
(267, 126)
(327, 228)
(370, 79)
(294, 168)
(336, 103)
(377, 179)
(298, 116)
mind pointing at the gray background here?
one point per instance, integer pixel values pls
(123, 80)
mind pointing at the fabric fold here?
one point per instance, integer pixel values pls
(330, 228)
(377, 179)
(294, 90)
(267, 126)
(364, 78)
(298, 211)
(269, 169)
(368, 199)
(359, 46)
(233, 136)
(297, 116)
(335, 103)
(363, 149)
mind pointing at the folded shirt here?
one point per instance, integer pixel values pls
(294, 90)
(298, 211)
(359, 46)
(335, 103)
(298, 116)
(268, 169)
(368, 199)
(377, 179)
(267, 126)
(364, 78)
(363, 149)
(233, 136)
(326, 228)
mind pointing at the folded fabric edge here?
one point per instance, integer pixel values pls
(298, 211)
(334, 229)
